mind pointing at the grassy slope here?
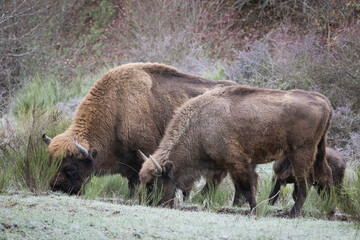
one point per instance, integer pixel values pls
(62, 217)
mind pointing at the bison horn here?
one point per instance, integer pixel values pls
(83, 150)
(142, 155)
(157, 165)
(46, 139)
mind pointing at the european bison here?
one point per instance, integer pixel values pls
(125, 110)
(235, 128)
(283, 173)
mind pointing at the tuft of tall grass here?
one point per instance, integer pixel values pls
(5, 178)
(215, 198)
(216, 74)
(25, 156)
(40, 92)
(47, 91)
(319, 205)
(109, 186)
(263, 208)
(349, 200)
(151, 198)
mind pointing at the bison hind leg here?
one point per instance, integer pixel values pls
(245, 182)
(275, 191)
(301, 161)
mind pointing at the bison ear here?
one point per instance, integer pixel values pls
(168, 169)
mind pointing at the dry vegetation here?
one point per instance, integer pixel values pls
(52, 51)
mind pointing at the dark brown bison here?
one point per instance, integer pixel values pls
(283, 173)
(235, 128)
(126, 109)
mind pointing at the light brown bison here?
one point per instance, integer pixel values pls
(283, 174)
(126, 109)
(235, 128)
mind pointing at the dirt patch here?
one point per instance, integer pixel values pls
(190, 208)
(233, 211)
(6, 226)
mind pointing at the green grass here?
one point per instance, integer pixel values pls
(24, 216)
(24, 157)
(5, 179)
(349, 201)
(216, 74)
(109, 186)
(219, 199)
(46, 91)
(150, 198)
(115, 187)
(31, 169)
(40, 92)
(214, 199)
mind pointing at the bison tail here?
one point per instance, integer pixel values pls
(322, 170)
(321, 150)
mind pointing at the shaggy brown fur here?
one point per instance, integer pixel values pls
(127, 109)
(236, 128)
(283, 173)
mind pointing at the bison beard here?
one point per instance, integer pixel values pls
(283, 174)
(237, 127)
(127, 109)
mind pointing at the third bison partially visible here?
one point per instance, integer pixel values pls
(284, 175)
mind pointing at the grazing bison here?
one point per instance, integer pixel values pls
(126, 109)
(283, 173)
(235, 128)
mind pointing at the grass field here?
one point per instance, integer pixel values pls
(55, 216)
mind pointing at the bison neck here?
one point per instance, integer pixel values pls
(93, 123)
(189, 167)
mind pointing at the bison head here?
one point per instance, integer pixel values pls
(77, 164)
(162, 175)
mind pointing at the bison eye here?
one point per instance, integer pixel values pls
(70, 170)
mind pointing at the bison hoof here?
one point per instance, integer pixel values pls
(294, 213)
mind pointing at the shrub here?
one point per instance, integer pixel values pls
(176, 32)
(30, 32)
(345, 123)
